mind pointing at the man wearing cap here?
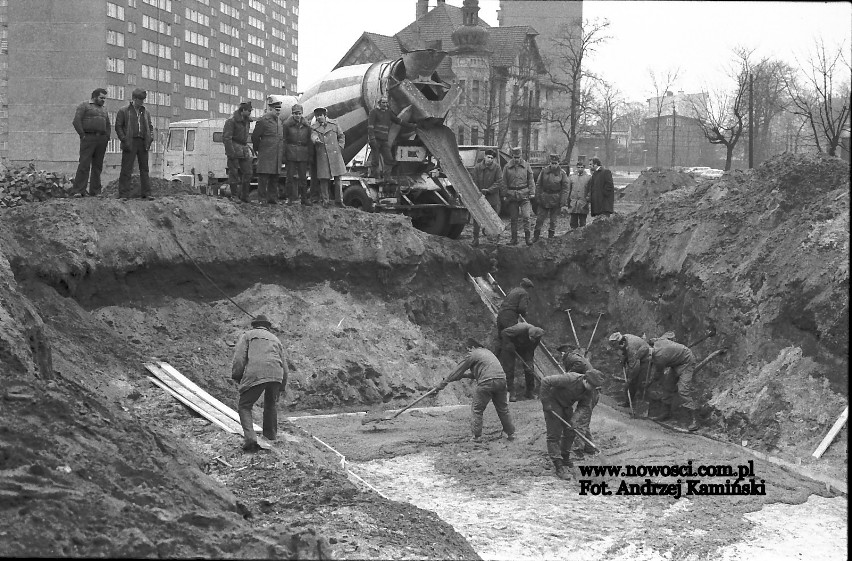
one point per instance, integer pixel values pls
(235, 137)
(635, 358)
(488, 177)
(578, 196)
(601, 190)
(329, 141)
(518, 342)
(513, 306)
(483, 367)
(551, 195)
(378, 131)
(134, 129)
(558, 394)
(677, 380)
(268, 142)
(298, 151)
(519, 185)
(573, 359)
(259, 367)
(91, 121)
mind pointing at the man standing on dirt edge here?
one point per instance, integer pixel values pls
(485, 369)
(558, 394)
(91, 121)
(235, 136)
(488, 177)
(551, 195)
(134, 129)
(601, 189)
(259, 367)
(519, 188)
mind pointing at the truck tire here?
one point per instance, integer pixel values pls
(357, 197)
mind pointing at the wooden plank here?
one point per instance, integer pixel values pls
(213, 419)
(197, 404)
(206, 397)
(826, 442)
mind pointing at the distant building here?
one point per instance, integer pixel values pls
(196, 59)
(691, 146)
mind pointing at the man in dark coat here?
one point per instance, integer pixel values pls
(91, 121)
(558, 394)
(134, 129)
(635, 359)
(481, 365)
(551, 195)
(259, 367)
(513, 306)
(378, 135)
(268, 141)
(601, 189)
(518, 342)
(488, 177)
(298, 151)
(235, 136)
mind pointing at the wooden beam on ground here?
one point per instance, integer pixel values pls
(189, 403)
(829, 438)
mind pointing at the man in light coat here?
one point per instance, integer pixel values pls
(519, 185)
(268, 142)
(488, 177)
(329, 142)
(601, 190)
(578, 195)
(551, 195)
(259, 367)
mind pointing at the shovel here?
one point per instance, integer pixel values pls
(373, 418)
(578, 433)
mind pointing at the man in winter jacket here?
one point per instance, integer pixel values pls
(551, 195)
(558, 394)
(486, 371)
(488, 177)
(579, 196)
(601, 189)
(378, 130)
(513, 306)
(518, 342)
(134, 129)
(259, 367)
(329, 142)
(677, 380)
(235, 137)
(635, 358)
(519, 186)
(268, 142)
(91, 121)
(298, 151)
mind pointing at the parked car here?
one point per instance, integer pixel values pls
(712, 173)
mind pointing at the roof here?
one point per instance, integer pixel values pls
(506, 42)
(371, 47)
(438, 24)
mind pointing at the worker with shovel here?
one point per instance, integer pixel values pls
(513, 306)
(259, 367)
(574, 360)
(485, 369)
(519, 341)
(635, 360)
(558, 394)
(675, 363)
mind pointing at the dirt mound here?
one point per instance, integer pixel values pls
(159, 188)
(652, 183)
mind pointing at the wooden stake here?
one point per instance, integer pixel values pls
(826, 442)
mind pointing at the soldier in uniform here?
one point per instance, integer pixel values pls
(675, 363)
(488, 177)
(635, 358)
(519, 186)
(297, 154)
(551, 195)
(518, 342)
(268, 141)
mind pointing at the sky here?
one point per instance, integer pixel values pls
(698, 37)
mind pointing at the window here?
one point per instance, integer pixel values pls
(254, 58)
(196, 82)
(131, 3)
(131, 27)
(461, 135)
(229, 69)
(156, 25)
(197, 17)
(196, 38)
(474, 135)
(195, 60)
(175, 141)
(190, 137)
(115, 38)
(161, 4)
(229, 11)
(257, 5)
(474, 94)
(282, 3)
(229, 49)
(255, 94)
(131, 54)
(277, 66)
(115, 65)
(229, 30)
(229, 89)
(131, 79)
(158, 74)
(256, 41)
(279, 18)
(514, 136)
(535, 139)
(255, 77)
(254, 22)
(115, 92)
(277, 83)
(278, 34)
(463, 96)
(159, 98)
(115, 11)
(175, 87)
(294, 56)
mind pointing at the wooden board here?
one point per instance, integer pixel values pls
(213, 419)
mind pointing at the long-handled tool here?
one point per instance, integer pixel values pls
(578, 433)
(576, 340)
(627, 390)
(592, 338)
(374, 419)
(710, 333)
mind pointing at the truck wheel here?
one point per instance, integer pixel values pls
(357, 197)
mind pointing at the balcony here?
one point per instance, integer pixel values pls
(526, 114)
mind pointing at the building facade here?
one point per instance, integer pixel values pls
(195, 58)
(681, 139)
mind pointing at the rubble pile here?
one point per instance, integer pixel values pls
(652, 183)
(25, 184)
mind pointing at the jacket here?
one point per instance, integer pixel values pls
(489, 179)
(480, 364)
(602, 192)
(297, 140)
(258, 359)
(575, 362)
(634, 352)
(268, 141)
(518, 181)
(523, 336)
(563, 390)
(235, 135)
(552, 188)
(91, 117)
(670, 354)
(329, 141)
(379, 123)
(516, 301)
(578, 193)
(129, 121)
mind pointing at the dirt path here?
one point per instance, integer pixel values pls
(503, 498)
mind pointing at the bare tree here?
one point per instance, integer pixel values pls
(609, 109)
(568, 75)
(822, 95)
(661, 83)
(769, 101)
(720, 112)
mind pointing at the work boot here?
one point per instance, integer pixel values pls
(560, 471)
(527, 237)
(476, 438)
(513, 396)
(510, 437)
(566, 459)
(529, 394)
(551, 233)
(514, 235)
(663, 415)
(536, 236)
(251, 446)
(693, 423)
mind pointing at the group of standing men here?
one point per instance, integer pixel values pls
(516, 186)
(294, 142)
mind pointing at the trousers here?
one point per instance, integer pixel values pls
(248, 397)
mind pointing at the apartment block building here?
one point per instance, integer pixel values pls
(195, 58)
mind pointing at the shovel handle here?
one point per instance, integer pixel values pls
(415, 402)
(576, 339)
(578, 433)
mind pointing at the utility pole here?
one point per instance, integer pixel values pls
(750, 121)
(674, 128)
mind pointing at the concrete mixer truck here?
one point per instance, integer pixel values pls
(431, 184)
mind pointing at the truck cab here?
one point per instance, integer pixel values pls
(194, 153)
